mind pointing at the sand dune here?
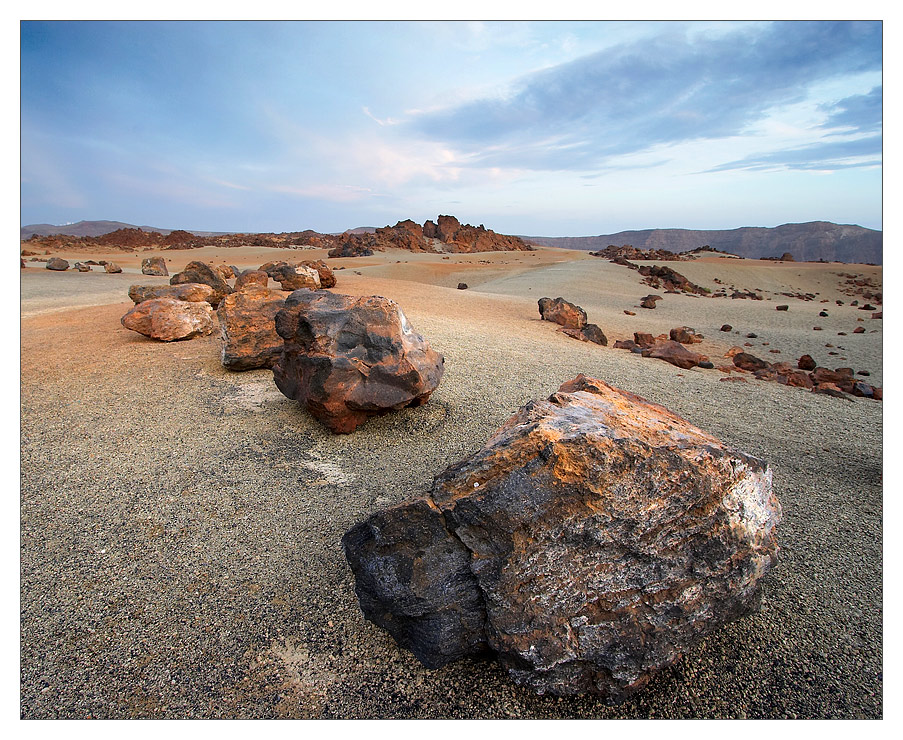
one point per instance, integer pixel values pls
(181, 523)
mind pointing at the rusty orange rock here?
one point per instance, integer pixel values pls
(168, 319)
(247, 320)
(563, 312)
(592, 540)
(347, 359)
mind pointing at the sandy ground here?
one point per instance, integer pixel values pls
(181, 524)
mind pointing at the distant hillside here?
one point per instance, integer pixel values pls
(96, 228)
(813, 241)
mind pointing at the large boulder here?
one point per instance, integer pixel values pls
(257, 278)
(168, 319)
(58, 264)
(154, 266)
(563, 312)
(348, 358)
(198, 272)
(293, 277)
(192, 292)
(594, 539)
(247, 321)
(112, 268)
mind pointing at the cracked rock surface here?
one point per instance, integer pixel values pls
(589, 543)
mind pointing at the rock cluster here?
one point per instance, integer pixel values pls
(199, 272)
(593, 539)
(446, 235)
(662, 276)
(182, 292)
(347, 359)
(807, 374)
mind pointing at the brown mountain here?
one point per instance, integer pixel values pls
(95, 228)
(808, 242)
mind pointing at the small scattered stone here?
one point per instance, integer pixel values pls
(462, 286)
(726, 327)
(782, 307)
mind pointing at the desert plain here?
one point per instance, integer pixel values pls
(181, 523)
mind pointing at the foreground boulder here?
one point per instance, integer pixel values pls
(247, 321)
(154, 266)
(57, 263)
(192, 292)
(592, 540)
(348, 358)
(563, 312)
(257, 278)
(168, 319)
(198, 272)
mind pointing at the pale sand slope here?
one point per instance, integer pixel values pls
(181, 524)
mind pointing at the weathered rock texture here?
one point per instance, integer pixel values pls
(587, 333)
(198, 272)
(257, 278)
(192, 292)
(563, 312)
(348, 358)
(168, 319)
(293, 277)
(57, 263)
(112, 267)
(593, 540)
(247, 321)
(154, 266)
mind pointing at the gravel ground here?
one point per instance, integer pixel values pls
(181, 524)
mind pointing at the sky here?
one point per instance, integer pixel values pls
(535, 128)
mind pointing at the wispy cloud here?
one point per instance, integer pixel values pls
(832, 155)
(666, 90)
(861, 113)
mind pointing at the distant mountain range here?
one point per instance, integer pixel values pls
(97, 228)
(813, 241)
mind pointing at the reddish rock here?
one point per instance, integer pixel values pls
(224, 271)
(247, 320)
(192, 292)
(859, 330)
(327, 277)
(649, 301)
(829, 389)
(296, 278)
(255, 278)
(593, 540)
(112, 267)
(81, 267)
(675, 353)
(878, 315)
(58, 264)
(588, 333)
(198, 272)
(154, 266)
(630, 313)
(168, 319)
(626, 344)
(685, 335)
(806, 363)
(726, 327)
(749, 362)
(348, 358)
(643, 339)
(824, 375)
(562, 312)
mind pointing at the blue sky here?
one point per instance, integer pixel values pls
(540, 128)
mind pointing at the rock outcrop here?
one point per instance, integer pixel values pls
(592, 540)
(168, 319)
(198, 272)
(247, 321)
(347, 359)
(154, 266)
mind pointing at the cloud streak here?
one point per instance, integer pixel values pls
(662, 91)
